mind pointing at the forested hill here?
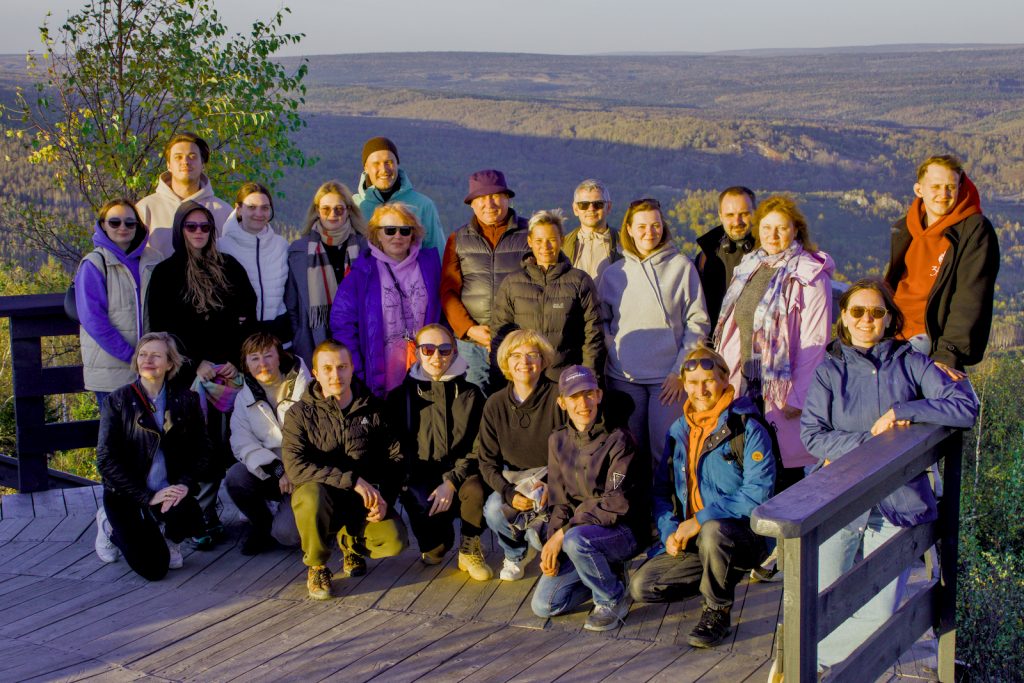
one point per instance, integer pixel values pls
(842, 129)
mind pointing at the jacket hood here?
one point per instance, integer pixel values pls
(810, 264)
(884, 350)
(135, 249)
(458, 368)
(177, 238)
(667, 251)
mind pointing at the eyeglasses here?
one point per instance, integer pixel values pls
(584, 206)
(702, 363)
(532, 356)
(116, 222)
(338, 210)
(874, 312)
(646, 200)
(204, 228)
(444, 350)
(390, 230)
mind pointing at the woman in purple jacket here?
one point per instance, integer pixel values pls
(392, 291)
(109, 291)
(868, 383)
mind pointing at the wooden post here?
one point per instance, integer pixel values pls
(800, 607)
(949, 543)
(29, 411)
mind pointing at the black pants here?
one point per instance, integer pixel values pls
(712, 564)
(431, 532)
(136, 531)
(250, 495)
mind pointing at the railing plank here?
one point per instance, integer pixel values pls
(833, 496)
(60, 436)
(65, 379)
(857, 586)
(895, 637)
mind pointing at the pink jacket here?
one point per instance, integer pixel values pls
(809, 301)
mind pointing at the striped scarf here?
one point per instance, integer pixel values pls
(320, 280)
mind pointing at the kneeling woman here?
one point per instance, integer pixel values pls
(868, 383)
(152, 445)
(275, 380)
(597, 509)
(438, 413)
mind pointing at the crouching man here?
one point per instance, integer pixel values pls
(596, 515)
(718, 465)
(339, 453)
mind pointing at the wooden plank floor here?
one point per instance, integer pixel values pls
(66, 616)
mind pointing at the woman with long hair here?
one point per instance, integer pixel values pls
(318, 261)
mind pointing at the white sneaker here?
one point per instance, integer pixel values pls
(105, 548)
(512, 570)
(176, 559)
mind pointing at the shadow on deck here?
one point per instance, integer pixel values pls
(64, 615)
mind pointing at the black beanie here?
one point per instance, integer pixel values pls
(378, 144)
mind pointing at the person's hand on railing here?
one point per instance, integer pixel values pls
(886, 422)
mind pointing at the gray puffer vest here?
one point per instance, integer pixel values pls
(483, 268)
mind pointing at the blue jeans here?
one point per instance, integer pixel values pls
(650, 421)
(479, 361)
(585, 570)
(513, 541)
(835, 557)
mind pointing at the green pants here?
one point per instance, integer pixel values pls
(324, 511)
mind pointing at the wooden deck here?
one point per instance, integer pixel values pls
(66, 616)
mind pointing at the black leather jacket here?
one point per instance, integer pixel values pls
(129, 439)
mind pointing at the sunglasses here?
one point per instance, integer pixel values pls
(116, 222)
(391, 230)
(583, 206)
(335, 210)
(702, 363)
(874, 312)
(204, 228)
(428, 350)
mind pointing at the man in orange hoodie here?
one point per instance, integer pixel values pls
(943, 264)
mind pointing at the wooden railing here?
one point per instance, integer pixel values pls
(814, 509)
(34, 317)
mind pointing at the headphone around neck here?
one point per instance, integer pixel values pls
(728, 246)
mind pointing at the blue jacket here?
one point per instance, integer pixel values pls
(357, 315)
(369, 198)
(852, 389)
(727, 491)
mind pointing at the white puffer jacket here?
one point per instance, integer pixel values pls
(256, 428)
(265, 258)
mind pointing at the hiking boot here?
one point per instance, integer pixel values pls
(768, 571)
(712, 628)
(607, 617)
(434, 556)
(105, 548)
(258, 542)
(353, 564)
(471, 559)
(176, 560)
(318, 583)
(511, 570)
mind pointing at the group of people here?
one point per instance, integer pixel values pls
(586, 395)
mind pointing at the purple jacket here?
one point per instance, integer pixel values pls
(91, 295)
(357, 317)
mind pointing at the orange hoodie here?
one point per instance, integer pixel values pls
(701, 425)
(928, 247)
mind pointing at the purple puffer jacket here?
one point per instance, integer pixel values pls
(357, 317)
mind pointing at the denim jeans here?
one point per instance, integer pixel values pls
(835, 557)
(513, 541)
(479, 372)
(650, 421)
(585, 570)
(712, 564)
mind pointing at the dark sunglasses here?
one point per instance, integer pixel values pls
(204, 228)
(702, 363)
(428, 350)
(875, 312)
(583, 206)
(116, 222)
(390, 230)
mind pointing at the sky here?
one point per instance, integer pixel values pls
(588, 26)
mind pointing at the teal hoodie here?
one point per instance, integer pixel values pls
(369, 198)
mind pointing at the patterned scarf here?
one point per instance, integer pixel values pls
(218, 392)
(320, 280)
(771, 318)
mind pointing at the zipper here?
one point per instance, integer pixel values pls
(259, 278)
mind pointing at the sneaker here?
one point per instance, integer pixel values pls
(607, 617)
(712, 628)
(769, 569)
(176, 560)
(204, 542)
(471, 559)
(105, 548)
(318, 583)
(512, 570)
(353, 564)
(434, 556)
(258, 542)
